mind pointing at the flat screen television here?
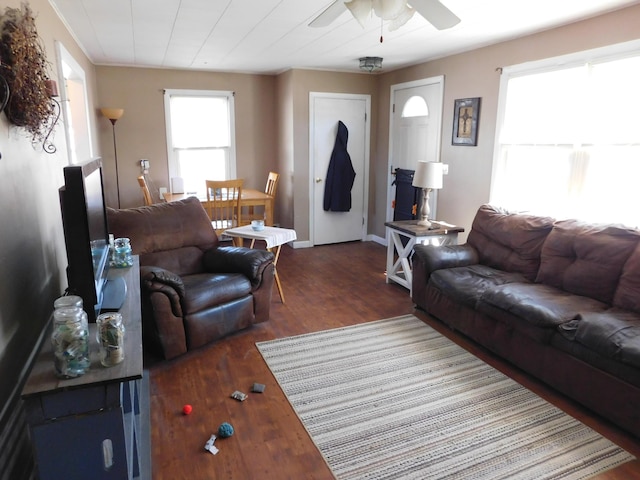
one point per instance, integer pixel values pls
(86, 235)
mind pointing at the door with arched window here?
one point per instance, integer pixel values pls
(415, 130)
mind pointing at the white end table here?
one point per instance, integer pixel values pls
(275, 237)
(399, 270)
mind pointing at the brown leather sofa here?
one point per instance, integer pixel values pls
(193, 290)
(559, 299)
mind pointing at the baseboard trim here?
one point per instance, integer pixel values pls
(368, 238)
(377, 239)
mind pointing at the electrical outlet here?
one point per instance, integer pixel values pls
(162, 191)
(144, 166)
(445, 169)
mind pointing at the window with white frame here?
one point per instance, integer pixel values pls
(200, 137)
(568, 143)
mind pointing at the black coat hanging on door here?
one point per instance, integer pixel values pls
(340, 175)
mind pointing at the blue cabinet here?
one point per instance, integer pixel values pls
(95, 426)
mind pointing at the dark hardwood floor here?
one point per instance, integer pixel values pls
(325, 287)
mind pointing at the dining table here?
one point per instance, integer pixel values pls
(248, 198)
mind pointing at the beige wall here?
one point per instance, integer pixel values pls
(272, 119)
(304, 82)
(285, 157)
(272, 128)
(473, 74)
(141, 133)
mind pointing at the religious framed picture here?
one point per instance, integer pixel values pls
(465, 121)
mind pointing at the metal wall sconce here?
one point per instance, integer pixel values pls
(52, 91)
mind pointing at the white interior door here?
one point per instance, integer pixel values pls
(415, 130)
(325, 111)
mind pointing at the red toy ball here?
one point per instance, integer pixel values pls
(187, 409)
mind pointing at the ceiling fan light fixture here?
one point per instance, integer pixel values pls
(360, 9)
(369, 64)
(403, 17)
(388, 9)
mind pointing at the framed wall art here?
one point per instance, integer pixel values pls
(465, 121)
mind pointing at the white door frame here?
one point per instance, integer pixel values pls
(401, 86)
(367, 148)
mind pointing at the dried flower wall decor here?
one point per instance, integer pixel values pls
(24, 66)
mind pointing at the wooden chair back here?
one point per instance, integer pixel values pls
(148, 200)
(272, 184)
(270, 189)
(223, 204)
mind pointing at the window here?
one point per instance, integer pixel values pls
(200, 137)
(569, 146)
(75, 109)
(415, 107)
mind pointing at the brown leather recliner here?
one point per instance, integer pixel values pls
(193, 290)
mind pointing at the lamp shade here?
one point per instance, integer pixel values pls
(428, 175)
(112, 113)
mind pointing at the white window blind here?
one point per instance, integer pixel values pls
(568, 145)
(200, 136)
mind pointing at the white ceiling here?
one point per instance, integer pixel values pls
(271, 36)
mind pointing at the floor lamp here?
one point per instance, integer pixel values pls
(114, 114)
(428, 175)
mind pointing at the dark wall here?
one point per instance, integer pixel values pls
(30, 238)
(32, 253)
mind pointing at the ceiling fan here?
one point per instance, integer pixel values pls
(398, 12)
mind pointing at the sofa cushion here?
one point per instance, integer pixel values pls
(467, 284)
(509, 241)
(586, 259)
(206, 290)
(541, 305)
(172, 235)
(613, 334)
(626, 295)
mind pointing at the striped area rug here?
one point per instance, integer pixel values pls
(395, 399)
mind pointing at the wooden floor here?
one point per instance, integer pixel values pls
(325, 287)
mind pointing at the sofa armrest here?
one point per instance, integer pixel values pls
(435, 257)
(156, 279)
(429, 258)
(247, 261)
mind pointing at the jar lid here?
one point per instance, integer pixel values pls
(113, 317)
(66, 313)
(68, 301)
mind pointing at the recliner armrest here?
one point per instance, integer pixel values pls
(247, 261)
(156, 279)
(434, 257)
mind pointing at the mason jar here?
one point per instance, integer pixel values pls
(122, 255)
(70, 341)
(68, 301)
(110, 337)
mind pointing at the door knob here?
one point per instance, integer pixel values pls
(318, 180)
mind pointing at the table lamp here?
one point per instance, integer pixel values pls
(428, 175)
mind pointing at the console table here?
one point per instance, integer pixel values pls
(97, 425)
(403, 235)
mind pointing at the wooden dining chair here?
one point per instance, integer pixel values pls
(270, 189)
(272, 184)
(148, 200)
(223, 204)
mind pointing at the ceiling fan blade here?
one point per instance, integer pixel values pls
(435, 13)
(332, 12)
